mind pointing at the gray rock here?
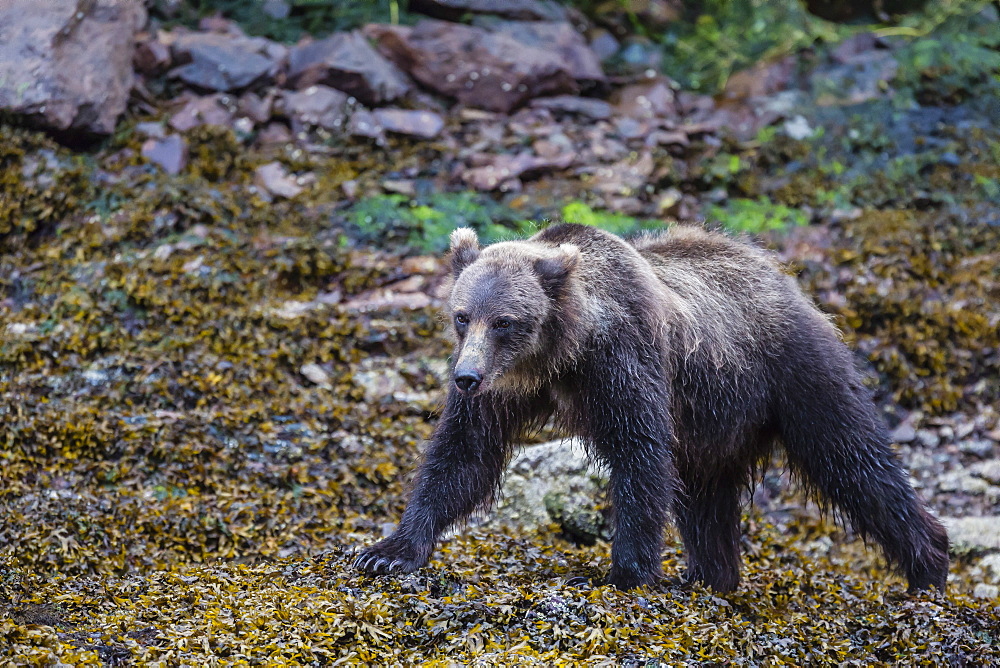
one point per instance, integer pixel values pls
(224, 62)
(170, 152)
(989, 470)
(559, 470)
(983, 590)
(979, 447)
(62, 71)
(973, 534)
(348, 62)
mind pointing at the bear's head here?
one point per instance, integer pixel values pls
(505, 306)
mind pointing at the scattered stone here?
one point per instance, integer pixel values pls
(798, 128)
(363, 123)
(152, 57)
(379, 379)
(928, 438)
(319, 106)
(904, 433)
(223, 62)
(274, 179)
(972, 534)
(348, 62)
(170, 152)
(496, 70)
(517, 10)
(978, 447)
(274, 134)
(652, 99)
(983, 590)
(424, 124)
(501, 169)
(255, 107)
(604, 45)
(989, 470)
(761, 80)
(597, 110)
(66, 73)
(207, 110)
(990, 565)
(387, 300)
(152, 129)
(317, 375)
(276, 9)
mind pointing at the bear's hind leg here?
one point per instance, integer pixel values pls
(708, 517)
(836, 442)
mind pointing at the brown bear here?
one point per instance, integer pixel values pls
(681, 359)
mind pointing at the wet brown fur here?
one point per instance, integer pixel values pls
(682, 359)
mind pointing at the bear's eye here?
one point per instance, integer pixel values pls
(461, 319)
(502, 323)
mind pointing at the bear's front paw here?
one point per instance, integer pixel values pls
(391, 556)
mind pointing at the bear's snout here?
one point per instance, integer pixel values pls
(468, 380)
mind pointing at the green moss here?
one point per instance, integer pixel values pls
(754, 216)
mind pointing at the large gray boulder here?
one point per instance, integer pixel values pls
(67, 65)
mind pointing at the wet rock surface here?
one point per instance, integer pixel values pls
(67, 69)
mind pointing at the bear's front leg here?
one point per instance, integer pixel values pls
(624, 414)
(460, 472)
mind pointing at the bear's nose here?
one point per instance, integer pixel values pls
(467, 381)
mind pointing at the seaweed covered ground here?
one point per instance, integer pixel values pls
(210, 398)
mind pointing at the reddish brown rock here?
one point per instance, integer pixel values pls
(152, 57)
(67, 69)
(495, 70)
(348, 62)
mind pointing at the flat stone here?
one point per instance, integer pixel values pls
(989, 470)
(170, 153)
(223, 62)
(589, 107)
(979, 447)
(652, 99)
(517, 10)
(274, 178)
(504, 168)
(425, 124)
(348, 62)
(319, 106)
(206, 110)
(63, 73)
(973, 533)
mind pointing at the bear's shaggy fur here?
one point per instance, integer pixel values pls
(681, 359)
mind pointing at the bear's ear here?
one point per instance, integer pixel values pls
(464, 249)
(553, 271)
